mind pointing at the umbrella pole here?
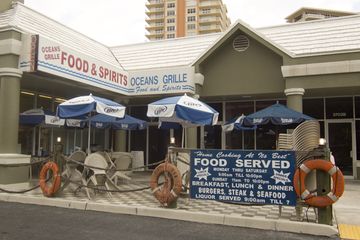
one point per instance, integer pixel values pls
(52, 140)
(74, 139)
(89, 132)
(39, 151)
(34, 142)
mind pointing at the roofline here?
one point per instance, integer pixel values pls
(237, 25)
(318, 9)
(76, 31)
(309, 22)
(164, 40)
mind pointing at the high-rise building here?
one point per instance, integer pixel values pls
(308, 14)
(180, 18)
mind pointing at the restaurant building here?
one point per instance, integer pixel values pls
(313, 67)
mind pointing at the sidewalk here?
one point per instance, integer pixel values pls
(347, 211)
(143, 203)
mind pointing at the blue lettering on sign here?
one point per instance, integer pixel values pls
(144, 80)
(263, 177)
(175, 78)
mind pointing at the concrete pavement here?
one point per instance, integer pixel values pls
(346, 210)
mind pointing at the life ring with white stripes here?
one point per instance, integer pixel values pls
(50, 189)
(169, 190)
(311, 198)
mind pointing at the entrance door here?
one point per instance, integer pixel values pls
(159, 140)
(340, 141)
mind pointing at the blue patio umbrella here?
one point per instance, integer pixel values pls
(38, 116)
(183, 110)
(127, 123)
(277, 115)
(237, 123)
(86, 105)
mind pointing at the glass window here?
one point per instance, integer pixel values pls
(234, 109)
(341, 107)
(191, 26)
(170, 28)
(357, 139)
(44, 102)
(218, 108)
(170, 20)
(171, 35)
(171, 5)
(264, 104)
(26, 101)
(212, 137)
(170, 13)
(314, 108)
(357, 107)
(191, 10)
(191, 19)
(140, 112)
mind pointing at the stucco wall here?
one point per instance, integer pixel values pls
(254, 71)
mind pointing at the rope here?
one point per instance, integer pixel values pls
(108, 190)
(23, 191)
(116, 170)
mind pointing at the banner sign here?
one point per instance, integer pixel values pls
(175, 80)
(45, 55)
(261, 177)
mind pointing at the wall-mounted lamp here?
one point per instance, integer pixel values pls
(58, 139)
(322, 141)
(172, 140)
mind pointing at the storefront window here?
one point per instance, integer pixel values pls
(357, 124)
(26, 101)
(314, 108)
(234, 109)
(264, 104)
(44, 102)
(218, 108)
(357, 107)
(140, 112)
(212, 137)
(341, 107)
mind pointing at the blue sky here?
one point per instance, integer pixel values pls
(117, 22)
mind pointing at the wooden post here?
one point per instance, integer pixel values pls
(323, 181)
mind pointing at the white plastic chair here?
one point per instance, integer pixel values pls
(123, 160)
(93, 162)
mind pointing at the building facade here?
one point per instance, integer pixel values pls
(168, 19)
(312, 67)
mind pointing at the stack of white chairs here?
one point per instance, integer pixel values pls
(303, 139)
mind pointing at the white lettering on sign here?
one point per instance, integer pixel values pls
(257, 163)
(212, 162)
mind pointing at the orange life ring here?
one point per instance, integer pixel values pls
(169, 191)
(311, 198)
(50, 189)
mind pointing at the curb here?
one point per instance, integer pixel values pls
(179, 214)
